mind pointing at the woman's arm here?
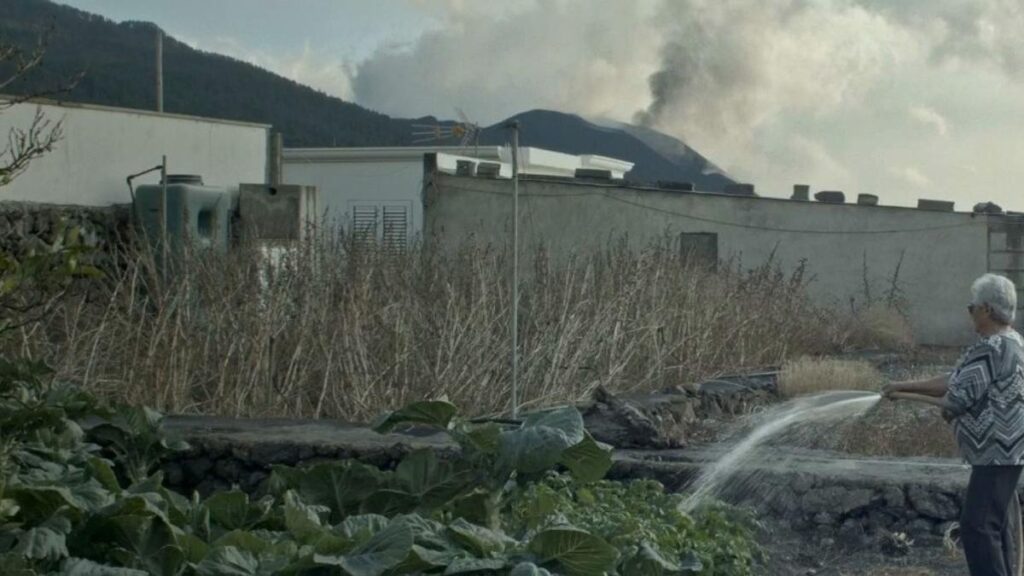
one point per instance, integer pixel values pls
(940, 402)
(934, 387)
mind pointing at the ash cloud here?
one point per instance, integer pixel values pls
(775, 92)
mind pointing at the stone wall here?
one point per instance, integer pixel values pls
(834, 499)
(27, 224)
(225, 452)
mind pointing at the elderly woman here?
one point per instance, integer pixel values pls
(984, 398)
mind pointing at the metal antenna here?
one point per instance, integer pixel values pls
(464, 131)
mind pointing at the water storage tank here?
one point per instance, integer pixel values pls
(195, 212)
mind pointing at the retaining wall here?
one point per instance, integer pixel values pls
(849, 500)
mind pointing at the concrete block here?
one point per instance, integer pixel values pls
(987, 208)
(1006, 262)
(997, 240)
(940, 205)
(593, 174)
(740, 189)
(465, 168)
(281, 212)
(830, 197)
(672, 185)
(1015, 237)
(488, 169)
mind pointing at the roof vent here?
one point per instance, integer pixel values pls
(867, 199)
(672, 185)
(801, 192)
(941, 205)
(987, 208)
(465, 168)
(194, 179)
(830, 197)
(593, 173)
(488, 169)
(740, 189)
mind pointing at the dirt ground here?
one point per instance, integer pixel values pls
(792, 554)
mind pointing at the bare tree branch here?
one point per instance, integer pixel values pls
(26, 144)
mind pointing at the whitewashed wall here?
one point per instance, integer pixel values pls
(102, 146)
(344, 184)
(938, 254)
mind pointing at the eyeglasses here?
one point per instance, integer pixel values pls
(972, 307)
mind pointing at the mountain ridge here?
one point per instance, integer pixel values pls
(117, 59)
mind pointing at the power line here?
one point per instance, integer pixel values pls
(684, 215)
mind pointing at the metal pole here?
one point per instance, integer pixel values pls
(163, 220)
(159, 70)
(514, 125)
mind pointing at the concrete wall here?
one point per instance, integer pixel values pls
(942, 252)
(1006, 252)
(102, 146)
(390, 176)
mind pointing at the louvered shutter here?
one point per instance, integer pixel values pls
(396, 227)
(364, 223)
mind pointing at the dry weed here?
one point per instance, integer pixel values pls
(813, 375)
(346, 331)
(880, 327)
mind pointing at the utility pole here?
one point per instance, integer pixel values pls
(514, 126)
(276, 152)
(159, 70)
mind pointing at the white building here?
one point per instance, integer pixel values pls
(381, 189)
(102, 146)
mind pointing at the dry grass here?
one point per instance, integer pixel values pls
(880, 327)
(813, 375)
(899, 429)
(340, 332)
(890, 429)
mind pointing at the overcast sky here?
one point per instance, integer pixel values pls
(900, 98)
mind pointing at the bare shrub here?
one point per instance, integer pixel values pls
(813, 375)
(880, 327)
(340, 329)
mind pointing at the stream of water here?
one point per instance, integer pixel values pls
(829, 406)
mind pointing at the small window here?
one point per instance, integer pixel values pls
(699, 249)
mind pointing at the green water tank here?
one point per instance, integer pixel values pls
(196, 213)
